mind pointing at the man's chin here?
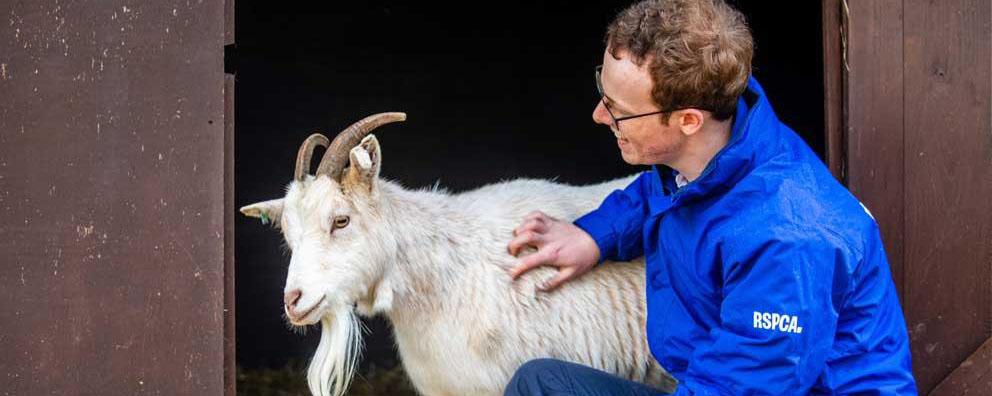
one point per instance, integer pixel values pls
(630, 158)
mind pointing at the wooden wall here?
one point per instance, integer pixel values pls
(912, 104)
(113, 174)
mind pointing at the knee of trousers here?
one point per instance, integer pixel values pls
(533, 375)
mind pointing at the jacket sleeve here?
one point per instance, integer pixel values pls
(777, 319)
(617, 224)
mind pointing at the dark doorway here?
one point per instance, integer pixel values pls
(491, 93)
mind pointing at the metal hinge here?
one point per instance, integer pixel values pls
(845, 15)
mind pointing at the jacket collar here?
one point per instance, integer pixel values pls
(751, 143)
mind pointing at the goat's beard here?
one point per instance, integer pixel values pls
(337, 355)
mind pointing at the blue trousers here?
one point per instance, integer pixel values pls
(551, 377)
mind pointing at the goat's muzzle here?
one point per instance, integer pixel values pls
(298, 316)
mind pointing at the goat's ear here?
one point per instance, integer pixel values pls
(268, 211)
(363, 169)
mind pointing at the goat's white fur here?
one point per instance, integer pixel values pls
(337, 355)
(436, 265)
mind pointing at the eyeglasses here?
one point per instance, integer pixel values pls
(616, 121)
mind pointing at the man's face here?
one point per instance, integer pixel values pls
(627, 87)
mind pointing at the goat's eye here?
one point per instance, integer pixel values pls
(341, 222)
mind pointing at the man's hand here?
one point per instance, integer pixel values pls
(560, 244)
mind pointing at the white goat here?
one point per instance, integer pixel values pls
(436, 265)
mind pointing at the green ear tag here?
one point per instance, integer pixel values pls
(265, 218)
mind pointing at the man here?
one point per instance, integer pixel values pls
(764, 275)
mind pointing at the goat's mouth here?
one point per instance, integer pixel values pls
(301, 319)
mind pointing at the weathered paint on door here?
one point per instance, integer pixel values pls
(112, 195)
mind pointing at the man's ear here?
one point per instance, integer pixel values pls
(268, 211)
(689, 121)
(363, 169)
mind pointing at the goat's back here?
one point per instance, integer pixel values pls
(492, 325)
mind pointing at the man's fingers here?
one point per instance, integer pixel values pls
(564, 275)
(541, 257)
(524, 239)
(539, 216)
(531, 225)
(535, 215)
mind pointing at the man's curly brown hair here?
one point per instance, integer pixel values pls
(698, 51)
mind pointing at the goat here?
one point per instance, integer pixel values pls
(436, 265)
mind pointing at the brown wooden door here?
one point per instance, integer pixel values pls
(909, 93)
(114, 195)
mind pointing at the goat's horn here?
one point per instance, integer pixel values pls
(336, 156)
(305, 155)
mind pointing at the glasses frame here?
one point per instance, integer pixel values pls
(616, 120)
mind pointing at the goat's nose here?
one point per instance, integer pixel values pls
(291, 297)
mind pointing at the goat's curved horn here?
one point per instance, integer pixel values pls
(336, 157)
(305, 155)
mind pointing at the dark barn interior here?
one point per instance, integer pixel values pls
(493, 91)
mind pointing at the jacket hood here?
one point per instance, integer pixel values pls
(754, 139)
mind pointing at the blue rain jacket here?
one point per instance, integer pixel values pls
(764, 275)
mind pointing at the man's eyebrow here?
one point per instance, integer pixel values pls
(615, 106)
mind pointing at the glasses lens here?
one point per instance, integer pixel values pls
(599, 88)
(599, 82)
(616, 124)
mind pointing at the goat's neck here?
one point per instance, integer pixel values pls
(428, 234)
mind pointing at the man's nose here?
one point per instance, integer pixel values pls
(600, 115)
(292, 297)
